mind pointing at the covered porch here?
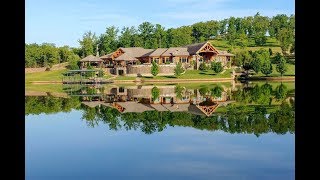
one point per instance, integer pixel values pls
(92, 61)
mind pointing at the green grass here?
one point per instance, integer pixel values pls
(125, 78)
(194, 74)
(271, 43)
(44, 87)
(249, 108)
(44, 76)
(290, 71)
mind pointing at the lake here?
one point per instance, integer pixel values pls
(168, 131)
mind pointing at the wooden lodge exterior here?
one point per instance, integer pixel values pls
(136, 60)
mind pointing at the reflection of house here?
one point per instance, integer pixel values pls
(137, 60)
(139, 99)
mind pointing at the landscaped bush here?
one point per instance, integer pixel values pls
(203, 67)
(216, 67)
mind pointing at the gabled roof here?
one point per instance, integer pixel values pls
(125, 57)
(176, 51)
(107, 55)
(91, 58)
(193, 48)
(136, 51)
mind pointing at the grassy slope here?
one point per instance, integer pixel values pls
(271, 43)
(44, 76)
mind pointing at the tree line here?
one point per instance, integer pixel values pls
(236, 31)
(46, 55)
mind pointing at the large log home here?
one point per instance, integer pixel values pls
(137, 60)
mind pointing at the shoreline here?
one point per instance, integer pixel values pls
(289, 78)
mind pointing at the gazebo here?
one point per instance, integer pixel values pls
(92, 60)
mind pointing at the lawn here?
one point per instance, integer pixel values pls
(125, 78)
(45, 76)
(193, 74)
(44, 87)
(271, 43)
(290, 71)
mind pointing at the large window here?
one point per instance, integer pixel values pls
(183, 60)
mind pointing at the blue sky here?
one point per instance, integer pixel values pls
(63, 22)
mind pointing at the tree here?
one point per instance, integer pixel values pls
(125, 39)
(154, 68)
(282, 66)
(256, 64)
(242, 57)
(178, 70)
(108, 41)
(88, 43)
(277, 58)
(266, 68)
(286, 38)
(146, 30)
(260, 26)
(281, 92)
(155, 93)
(160, 36)
(216, 67)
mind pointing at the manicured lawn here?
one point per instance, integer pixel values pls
(44, 87)
(290, 71)
(249, 108)
(271, 43)
(45, 76)
(125, 78)
(194, 74)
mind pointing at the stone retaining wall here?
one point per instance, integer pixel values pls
(145, 70)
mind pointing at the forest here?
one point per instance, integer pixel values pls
(234, 31)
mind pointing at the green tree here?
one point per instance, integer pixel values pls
(155, 93)
(154, 68)
(281, 92)
(160, 36)
(216, 67)
(88, 43)
(178, 70)
(146, 30)
(266, 68)
(125, 39)
(282, 66)
(260, 26)
(286, 38)
(108, 40)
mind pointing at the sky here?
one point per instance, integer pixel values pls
(63, 22)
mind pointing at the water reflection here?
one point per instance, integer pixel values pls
(252, 109)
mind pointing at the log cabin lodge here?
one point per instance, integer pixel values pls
(136, 61)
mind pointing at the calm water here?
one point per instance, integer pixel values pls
(170, 132)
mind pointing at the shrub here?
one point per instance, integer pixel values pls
(203, 67)
(178, 70)
(154, 68)
(216, 67)
(155, 93)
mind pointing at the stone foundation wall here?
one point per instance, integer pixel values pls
(145, 70)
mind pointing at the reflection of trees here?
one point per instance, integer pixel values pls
(50, 104)
(260, 94)
(216, 91)
(281, 92)
(237, 119)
